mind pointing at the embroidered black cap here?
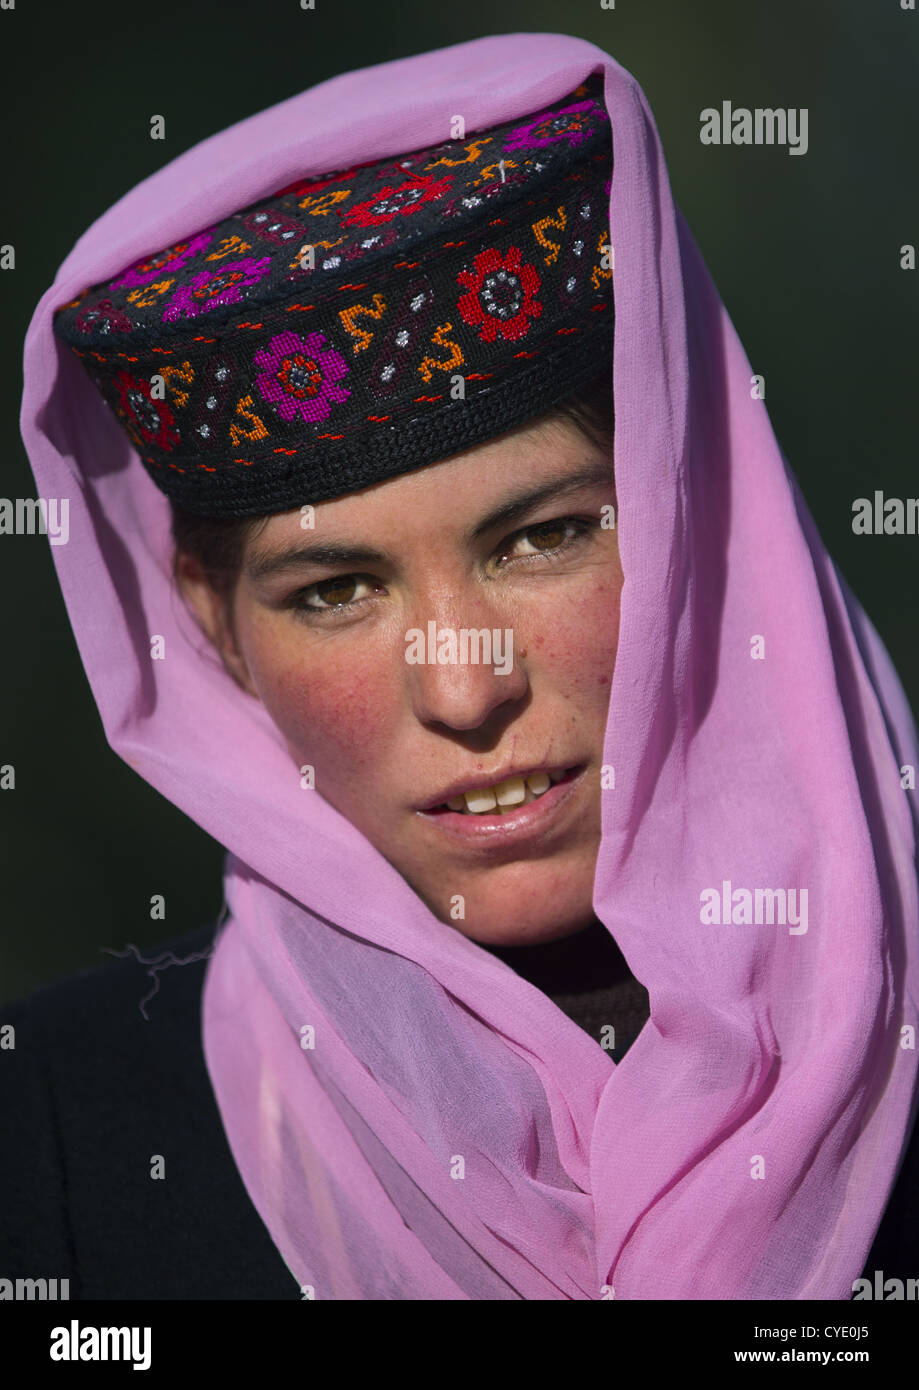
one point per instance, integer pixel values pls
(369, 321)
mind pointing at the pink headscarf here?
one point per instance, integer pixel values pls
(451, 1134)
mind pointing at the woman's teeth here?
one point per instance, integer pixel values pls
(505, 796)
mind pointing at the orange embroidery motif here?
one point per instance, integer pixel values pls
(560, 221)
(489, 172)
(146, 297)
(455, 359)
(229, 246)
(475, 149)
(362, 335)
(244, 410)
(598, 273)
(326, 245)
(318, 205)
(72, 303)
(183, 372)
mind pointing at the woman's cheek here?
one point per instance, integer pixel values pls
(577, 643)
(598, 632)
(333, 708)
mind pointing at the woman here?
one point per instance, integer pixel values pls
(704, 727)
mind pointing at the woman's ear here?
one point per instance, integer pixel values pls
(213, 612)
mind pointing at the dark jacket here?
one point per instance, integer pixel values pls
(92, 1091)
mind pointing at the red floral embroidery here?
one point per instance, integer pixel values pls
(300, 187)
(103, 317)
(397, 201)
(501, 294)
(148, 421)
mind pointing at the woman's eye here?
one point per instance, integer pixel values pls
(549, 537)
(330, 595)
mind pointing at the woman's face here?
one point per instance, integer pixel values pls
(505, 538)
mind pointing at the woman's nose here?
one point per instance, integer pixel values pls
(459, 676)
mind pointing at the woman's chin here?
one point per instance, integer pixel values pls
(495, 919)
(525, 933)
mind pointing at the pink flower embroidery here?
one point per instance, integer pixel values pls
(298, 376)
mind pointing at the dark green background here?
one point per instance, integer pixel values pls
(804, 250)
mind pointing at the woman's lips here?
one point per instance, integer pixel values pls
(514, 827)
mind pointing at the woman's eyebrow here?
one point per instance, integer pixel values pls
(331, 554)
(311, 553)
(600, 471)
